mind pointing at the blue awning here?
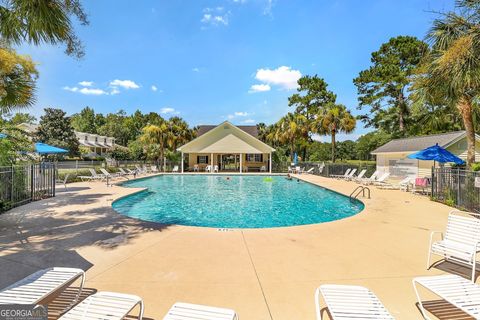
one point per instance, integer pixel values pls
(436, 153)
(43, 148)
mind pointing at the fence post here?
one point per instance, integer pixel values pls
(433, 181)
(11, 185)
(458, 186)
(76, 167)
(32, 191)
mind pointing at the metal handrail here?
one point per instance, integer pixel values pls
(361, 189)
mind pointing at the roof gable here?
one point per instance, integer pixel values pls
(231, 143)
(419, 143)
(215, 135)
(251, 130)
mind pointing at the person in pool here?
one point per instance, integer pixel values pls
(289, 177)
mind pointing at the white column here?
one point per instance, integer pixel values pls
(270, 163)
(211, 161)
(182, 162)
(241, 163)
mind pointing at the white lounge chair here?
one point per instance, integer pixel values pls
(360, 175)
(208, 168)
(108, 174)
(105, 305)
(175, 169)
(350, 175)
(350, 302)
(94, 175)
(347, 172)
(196, 168)
(63, 181)
(454, 289)
(263, 169)
(370, 179)
(215, 168)
(140, 170)
(123, 172)
(381, 180)
(153, 169)
(291, 169)
(461, 240)
(132, 172)
(401, 185)
(39, 286)
(310, 171)
(298, 170)
(188, 311)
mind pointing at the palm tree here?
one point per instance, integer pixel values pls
(332, 120)
(290, 129)
(37, 22)
(452, 69)
(17, 81)
(155, 138)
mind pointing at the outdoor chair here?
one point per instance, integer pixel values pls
(349, 302)
(108, 174)
(422, 185)
(154, 169)
(208, 168)
(460, 242)
(94, 175)
(42, 285)
(123, 172)
(175, 169)
(360, 175)
(310, 171)
(380, 181)
(263, 169)
(105, 305)
(350, 175)
(454, 289)
(347, 172)
(63, 181)
(401, 185)
(370, 179)
(196, 168)
(215, 168)
(132, 172)
(188, 311)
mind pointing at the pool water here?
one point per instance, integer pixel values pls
(246, 201)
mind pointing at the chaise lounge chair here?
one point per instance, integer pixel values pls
(108, 174)
(41, 285)
(461, 241)
(360, 176)
(370, 179)
(64, 181)
(94, 175)
(350, 302)
(456, 290)
(175, 169)
(105, 305)
(188, 311)
(402, 185)
(350, 175)
(208, 168)
(381, 180)
(347, 172)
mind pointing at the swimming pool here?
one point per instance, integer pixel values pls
(246, 201)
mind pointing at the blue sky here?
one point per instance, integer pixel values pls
(214, 60)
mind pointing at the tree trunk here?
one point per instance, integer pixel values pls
(334, 147)
(401, 112)
(466, 110)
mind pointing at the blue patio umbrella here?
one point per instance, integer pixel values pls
(436, 153)
(43, 148)
(295, 158)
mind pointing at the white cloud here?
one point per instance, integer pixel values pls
(241, 113)
(86, 91)
(168, 110)
(248, 121)
(196, 69)
(268, 7)
(215, 16)
(86, 83)
(126, 84)
(154, 88)
(114, 91)
(259, 88)
(283, 76)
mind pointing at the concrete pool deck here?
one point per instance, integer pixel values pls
(260, 273)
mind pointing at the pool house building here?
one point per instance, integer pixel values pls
(226, 148)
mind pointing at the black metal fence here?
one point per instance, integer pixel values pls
(456, 187)
(25, 183)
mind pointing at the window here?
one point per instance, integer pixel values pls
(202, 159)
(254, 157)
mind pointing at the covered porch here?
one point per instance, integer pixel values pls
(227, 162)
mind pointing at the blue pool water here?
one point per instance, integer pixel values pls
(240, 202)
